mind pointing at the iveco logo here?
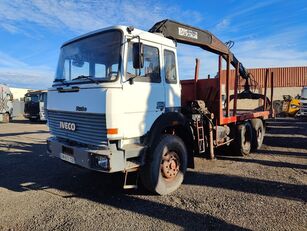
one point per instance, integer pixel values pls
(81, 108)
(68, 126)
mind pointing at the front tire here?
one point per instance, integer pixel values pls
(165, 165)
(242, 145)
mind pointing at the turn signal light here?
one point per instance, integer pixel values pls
(112, 131)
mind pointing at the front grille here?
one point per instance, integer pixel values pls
(90, 127)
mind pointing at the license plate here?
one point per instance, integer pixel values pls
(67, 158)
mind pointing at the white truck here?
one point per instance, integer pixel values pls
(6, 104)
(303, 100)
(116, 104)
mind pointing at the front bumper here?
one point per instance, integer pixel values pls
(103, 160)
(42, 116)
(31, 116)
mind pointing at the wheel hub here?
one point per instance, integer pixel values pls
(170, 165)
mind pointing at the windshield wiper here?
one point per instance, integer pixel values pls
(89, 77)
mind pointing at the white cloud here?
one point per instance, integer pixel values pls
(223, 24)
(9, 27)
(246, 10)
(83, 16)
(16, 73)
(277, 50)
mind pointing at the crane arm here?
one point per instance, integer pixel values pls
(197, 37)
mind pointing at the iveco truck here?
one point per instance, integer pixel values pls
(117, 104)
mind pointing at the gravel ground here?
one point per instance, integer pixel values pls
(265, 191)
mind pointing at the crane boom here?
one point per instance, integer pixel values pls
(197, 37)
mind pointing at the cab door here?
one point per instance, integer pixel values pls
(144, 99)
(171, 80)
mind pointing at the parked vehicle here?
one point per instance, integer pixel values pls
(303, 99)
(117, 104)
(35, 102)
(6, 105)
(289, 106)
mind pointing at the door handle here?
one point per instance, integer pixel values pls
(160, 105)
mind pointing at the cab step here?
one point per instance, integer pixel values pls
(131, 174)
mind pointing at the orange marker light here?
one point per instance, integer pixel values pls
(112, 131)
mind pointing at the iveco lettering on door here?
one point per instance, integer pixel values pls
(68, 126)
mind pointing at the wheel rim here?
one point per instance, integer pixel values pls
(170, 165)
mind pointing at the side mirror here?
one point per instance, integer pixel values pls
(138, 55)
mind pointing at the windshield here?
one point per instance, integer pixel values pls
(304, 94)
(97, 56)
(33, 98)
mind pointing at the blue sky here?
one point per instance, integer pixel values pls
(266, 33)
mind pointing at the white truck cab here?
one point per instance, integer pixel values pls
(303, 100)
(100, 106)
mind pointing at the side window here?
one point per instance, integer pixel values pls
(170, 66)
(151, 69)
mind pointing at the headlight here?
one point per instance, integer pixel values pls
(100, 161)
(294, 106)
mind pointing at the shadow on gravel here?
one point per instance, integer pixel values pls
(22, 133)
(282, 153)
(287, 130)
(250, 185)
(285, 142)
(265, 162)
(285, 121)
(29, 168)
(27, 121)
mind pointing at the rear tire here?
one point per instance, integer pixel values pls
(165, 165)
(242, 145)
(258, 133)
(6, 117)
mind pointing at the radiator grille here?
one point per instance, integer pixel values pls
(90, 127)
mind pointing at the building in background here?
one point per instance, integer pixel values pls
(287, 80)
(19, 93)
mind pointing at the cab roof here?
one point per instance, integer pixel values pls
(145, 35)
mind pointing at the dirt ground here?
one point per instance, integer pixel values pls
(265, 191)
